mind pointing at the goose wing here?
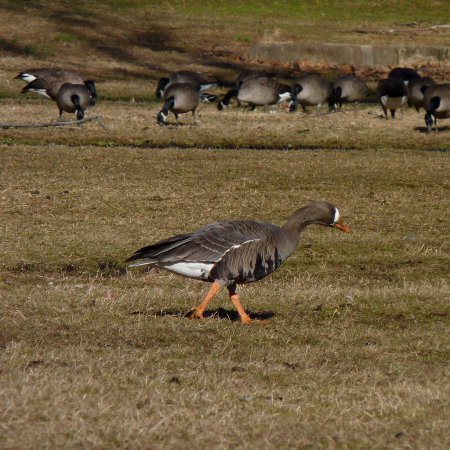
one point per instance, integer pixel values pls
(208, 244)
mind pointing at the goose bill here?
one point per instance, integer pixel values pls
(340, 225)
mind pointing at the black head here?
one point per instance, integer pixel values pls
(162, 83)
(90, 85)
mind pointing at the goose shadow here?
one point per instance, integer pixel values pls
(438, 130)
(220, 313)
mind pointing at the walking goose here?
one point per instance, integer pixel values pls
(349, 89)
(416, 88)
(234, 252)
(392, 94)
(436, 101)
(258, 90)
(47, 82)
(311, 90)
(73, 98)
(181, 98)
(200, 80)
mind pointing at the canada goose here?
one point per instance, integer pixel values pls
(200, 80)
(416, 88)
(234, 252)
(349, 89)
(47, 82)
(392, 95)
(311, 90)
(180, 98)
(257, 91)
(403, 73)
(73, 97)
(436, 101)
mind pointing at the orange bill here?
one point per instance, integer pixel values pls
(340, 225)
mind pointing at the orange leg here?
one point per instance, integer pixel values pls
(197, 312)
(245, 318)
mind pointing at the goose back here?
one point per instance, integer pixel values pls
(416, 88)
(262, 91)
(403, 73)
(200, 80)
(311, 90)
(350, 89)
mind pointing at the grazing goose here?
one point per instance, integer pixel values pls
(258, 90)
(73, 98)
(47, 82)
(349, 89)
(200, 80)
(181, 98)
(416, 88)
(392, 95)
(403, 73)
(436, 101)
(234, 252)
(311, 90)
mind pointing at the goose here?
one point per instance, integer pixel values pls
(234, 252)
(436, 101)
(73, 98)
(349, 89)
(47, 82)
(416, 88)
(311, 90)
(181, 98)
(257, 90)
(403, 73)
(392, 94)
(202, 81)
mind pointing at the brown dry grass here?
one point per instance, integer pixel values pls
(355, 351)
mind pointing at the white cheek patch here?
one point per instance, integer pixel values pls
(284, 96)
(336, 215)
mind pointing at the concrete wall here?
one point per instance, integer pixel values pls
(356, 55)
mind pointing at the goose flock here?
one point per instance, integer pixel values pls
(230, 253)
(182, 91)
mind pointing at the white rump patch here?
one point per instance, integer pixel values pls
(42, 92)
(393, 102)
(191, 269)
(204, 87)
(27, 77)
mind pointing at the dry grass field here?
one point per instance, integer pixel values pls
(354, 351)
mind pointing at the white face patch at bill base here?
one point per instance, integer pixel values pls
(191, 269)
(336, 215)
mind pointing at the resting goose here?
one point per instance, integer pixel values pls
(47, 82)
(200, 80)
(256, 90)
(234, 252)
